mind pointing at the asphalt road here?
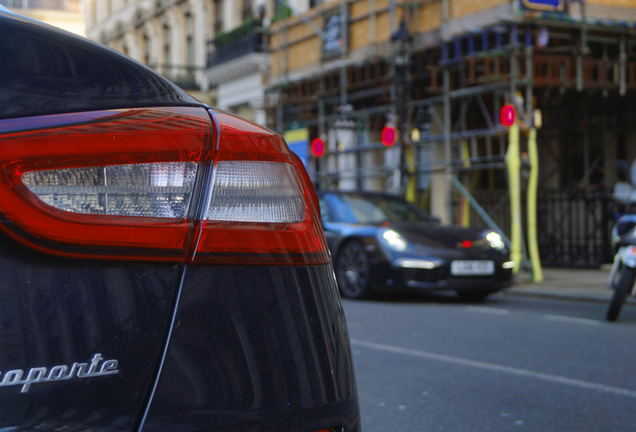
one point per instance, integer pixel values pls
(508, 364)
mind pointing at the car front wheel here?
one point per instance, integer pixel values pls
(353, 271)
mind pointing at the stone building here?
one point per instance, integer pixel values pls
(215, 49)
(65, 14)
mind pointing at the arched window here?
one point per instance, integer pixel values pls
(167, 48)
(146, 49)
(190, 51)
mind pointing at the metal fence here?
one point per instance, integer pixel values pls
(574, 226)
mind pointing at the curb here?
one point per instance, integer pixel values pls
(529, 292)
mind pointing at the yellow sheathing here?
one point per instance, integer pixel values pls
(383, 27)
(360, 34)
(460, 8)
(429, 17)
(305, 47)
(304, 53)
(360, 9)
(627, 3)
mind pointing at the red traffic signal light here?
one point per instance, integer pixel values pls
(507, 115)
(317, 147)
(388, 136)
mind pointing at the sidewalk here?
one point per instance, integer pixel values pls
(580, 284)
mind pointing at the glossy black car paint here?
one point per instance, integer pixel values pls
(431, 240)
(269, 355)
(45, 71)
(197, 348)
(56, 312)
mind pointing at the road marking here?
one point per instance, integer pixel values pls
(494, 367)
(572, 320)
(488, 310)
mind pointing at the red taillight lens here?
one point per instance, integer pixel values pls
(261, 207)
(102, 187)
(154, 184)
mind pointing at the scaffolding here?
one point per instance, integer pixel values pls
(445, 98)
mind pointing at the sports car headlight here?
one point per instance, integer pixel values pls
(393, 240)
(495, 240)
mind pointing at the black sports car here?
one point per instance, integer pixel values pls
(382, 242)
(163, 265)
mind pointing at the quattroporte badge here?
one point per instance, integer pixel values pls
(26, 378)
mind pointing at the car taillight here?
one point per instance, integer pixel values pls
(159, 184)
(262, 206)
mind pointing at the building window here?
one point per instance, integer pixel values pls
(246, 10)
(314, 3)
(167, 54)
(218, 16)
(190, 41)
(15, 4)
(146, 49)
(74, 5)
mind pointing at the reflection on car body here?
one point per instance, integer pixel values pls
(382, 242)
(139, 291)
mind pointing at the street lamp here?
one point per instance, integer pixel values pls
(401, 50)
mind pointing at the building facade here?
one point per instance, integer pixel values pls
(215, 49)
(65, 14)
(168, 36)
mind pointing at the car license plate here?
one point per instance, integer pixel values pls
(472, 268)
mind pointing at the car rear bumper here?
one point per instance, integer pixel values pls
(258, 349)
(250, 348)
(437, 276)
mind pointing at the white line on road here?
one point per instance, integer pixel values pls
(488, 310)
(572, 320)
(494, 367)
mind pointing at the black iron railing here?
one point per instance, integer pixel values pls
(248, 38)
(183, 76)
(573, 226)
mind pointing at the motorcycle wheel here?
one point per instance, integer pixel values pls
(622, 289)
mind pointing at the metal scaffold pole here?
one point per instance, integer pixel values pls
(447, 144)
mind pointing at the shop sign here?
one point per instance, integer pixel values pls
(544, 5)
(335, 34)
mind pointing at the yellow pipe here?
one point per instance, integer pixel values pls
(533, 182)
(465, 205)
(513, 164)
(411, 187)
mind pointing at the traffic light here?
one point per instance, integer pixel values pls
(317, 147)
(507, 115)
(388, 136)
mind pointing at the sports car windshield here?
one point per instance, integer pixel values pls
(372, 209)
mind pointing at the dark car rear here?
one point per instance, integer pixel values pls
(163, 266)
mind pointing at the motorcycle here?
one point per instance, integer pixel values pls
(623, 273)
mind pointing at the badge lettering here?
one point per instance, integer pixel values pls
(96, 367)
